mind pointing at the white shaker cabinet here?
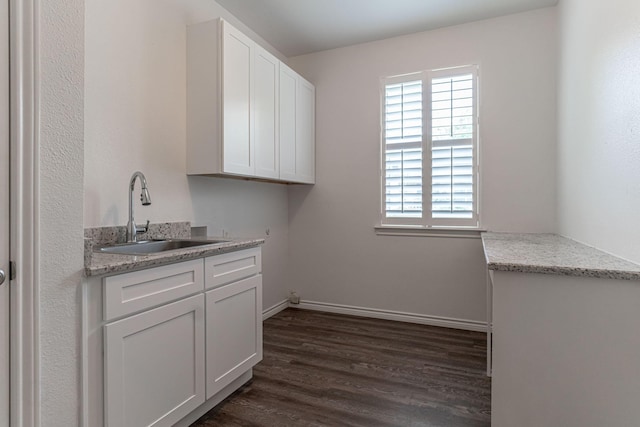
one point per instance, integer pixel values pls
(165, 344)
(219, 93)
(237, 94)
(235, 110)
(234, 316)
(265, 114)
(154, 365)
(305, 133)
(297, 127)
(234, 331)
(249, 87)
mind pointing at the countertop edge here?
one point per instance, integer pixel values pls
(564, 271)
(576, 263)
(103, 264)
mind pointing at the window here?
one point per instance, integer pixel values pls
(430, 149)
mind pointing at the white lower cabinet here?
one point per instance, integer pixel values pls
(154, 365)
(234, 331)
(171, 341)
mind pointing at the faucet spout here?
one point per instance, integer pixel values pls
(145, 198)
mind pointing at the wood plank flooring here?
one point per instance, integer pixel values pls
(322, 369)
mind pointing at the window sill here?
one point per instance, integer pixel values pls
(421, 231)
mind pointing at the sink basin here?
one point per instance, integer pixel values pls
(148, 247)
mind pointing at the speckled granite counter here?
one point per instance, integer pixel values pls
(101, 263)
(553, 254)
(97, 263)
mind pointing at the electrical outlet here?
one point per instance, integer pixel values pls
(294, 298)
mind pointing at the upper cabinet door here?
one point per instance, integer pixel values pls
(297, 128)
(288, 83)
(305, 132)
(265, 113)
(237, 93)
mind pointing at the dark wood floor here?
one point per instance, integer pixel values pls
(322, 369)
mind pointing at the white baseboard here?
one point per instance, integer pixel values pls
(275, 309)
(446, 322)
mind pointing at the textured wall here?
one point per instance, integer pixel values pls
(135, 119)
(61, 230)
(599, 124)
(135, 105)
(334, 254)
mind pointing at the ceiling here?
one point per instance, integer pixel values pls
(296, 27)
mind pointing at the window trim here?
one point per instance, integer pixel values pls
(427, 221)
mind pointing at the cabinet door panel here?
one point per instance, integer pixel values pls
(288, 84)
(265, 113)
(234, 331)
(139, 290)
(305, 132)
(154, 365)
(231, 267)
(236, 97)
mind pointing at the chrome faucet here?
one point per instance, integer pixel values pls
(145, 198)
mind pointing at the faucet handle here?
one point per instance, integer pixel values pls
(142, 228)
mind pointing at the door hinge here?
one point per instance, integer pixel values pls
(12, 270)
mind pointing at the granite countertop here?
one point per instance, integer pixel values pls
(99, 263)
(553, 254)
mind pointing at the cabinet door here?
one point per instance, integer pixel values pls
(154, 365)
(237, 88)
(305, 132)
(234, 331)
(287, 120)
(265, 113)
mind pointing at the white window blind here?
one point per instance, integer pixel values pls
(403, 154)
(430, 168)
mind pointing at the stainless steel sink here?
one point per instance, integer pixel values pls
(148, 247)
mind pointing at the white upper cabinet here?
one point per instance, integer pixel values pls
(235, 111)
(305, 133)
(237, 93)
(265, 113)
(297, 127)
(288, 84)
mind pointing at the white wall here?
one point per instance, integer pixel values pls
(334, 255)
(135, 119)
(238, 208)
(599, 124)
(61, 247)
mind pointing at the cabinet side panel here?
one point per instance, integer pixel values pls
(565, 351)
(203, 98)
(92, 350)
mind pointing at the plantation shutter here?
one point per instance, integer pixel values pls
(429, 138)
(403, 118)
(452, 147)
